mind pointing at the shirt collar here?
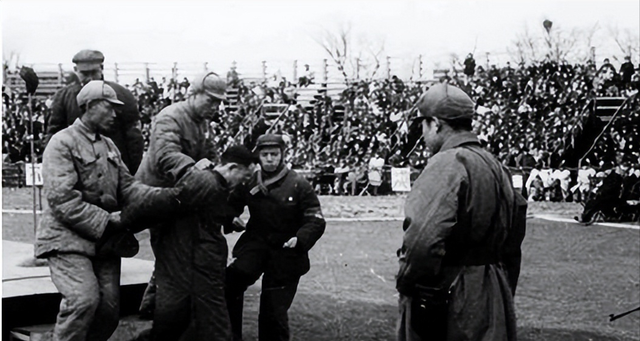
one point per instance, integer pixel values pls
(459, 139)
(85, 131)
(221, 180)
(192, 111)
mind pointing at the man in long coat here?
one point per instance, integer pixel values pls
(460, 258)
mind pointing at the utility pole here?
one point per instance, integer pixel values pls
(146, 72)
(295, 71)
(388, 67)
(264, 70)
(60, 74)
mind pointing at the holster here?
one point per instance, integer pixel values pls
(429, 310)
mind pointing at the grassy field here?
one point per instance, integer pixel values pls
(572, 276)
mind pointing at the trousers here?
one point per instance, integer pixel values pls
(278, 290)
(90, 289)
(190, 280)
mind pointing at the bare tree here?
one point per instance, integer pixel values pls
(627, 40)
(338, 45)
(590, 34)
(526, 48)
(553, 43)
(352, 59)
(375, 52)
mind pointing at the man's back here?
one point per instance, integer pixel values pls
(484, 197)
(464, 225)
(466, 222)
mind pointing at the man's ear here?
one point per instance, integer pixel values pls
(438, 124)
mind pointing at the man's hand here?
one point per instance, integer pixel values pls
(236, 225)
(114, 218)
(204, 164)
(291, 243)
(239, 225)
(116, 241)
(113, 225)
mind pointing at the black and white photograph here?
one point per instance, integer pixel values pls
(280, 170)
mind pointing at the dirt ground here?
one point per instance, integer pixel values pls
(572, 276)
(332, 206)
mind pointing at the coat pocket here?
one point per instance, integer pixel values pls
(86, 164)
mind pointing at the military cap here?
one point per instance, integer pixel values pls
(270, 140)
(447, 102)
(238, 154)
(95, 90)
(211, 84)
(86, 60)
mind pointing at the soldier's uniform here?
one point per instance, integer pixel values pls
(464, 224)
(281, 207)
(84, 181)
(190, 250)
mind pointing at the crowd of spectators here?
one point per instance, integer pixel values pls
(16, 127)
(529, 116)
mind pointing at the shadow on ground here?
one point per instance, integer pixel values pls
(320, 318)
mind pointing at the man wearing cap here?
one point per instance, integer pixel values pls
(286, 221)
(464, 223)
(125, 133)
(185, 245)
(179, 136)
(86, 184)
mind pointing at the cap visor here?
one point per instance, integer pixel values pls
(113, 101)
(218, 96)
(88, 66)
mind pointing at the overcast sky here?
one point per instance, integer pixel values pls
(219, 32)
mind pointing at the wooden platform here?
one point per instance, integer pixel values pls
(18, 280)
(30, 299)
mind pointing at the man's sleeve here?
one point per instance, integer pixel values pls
(237, 199)
(313, 223)
(60, 179)
(236, 203)
(57, 119)
(431, 213)
(512, 255)
(141, 203)
(171, 161)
